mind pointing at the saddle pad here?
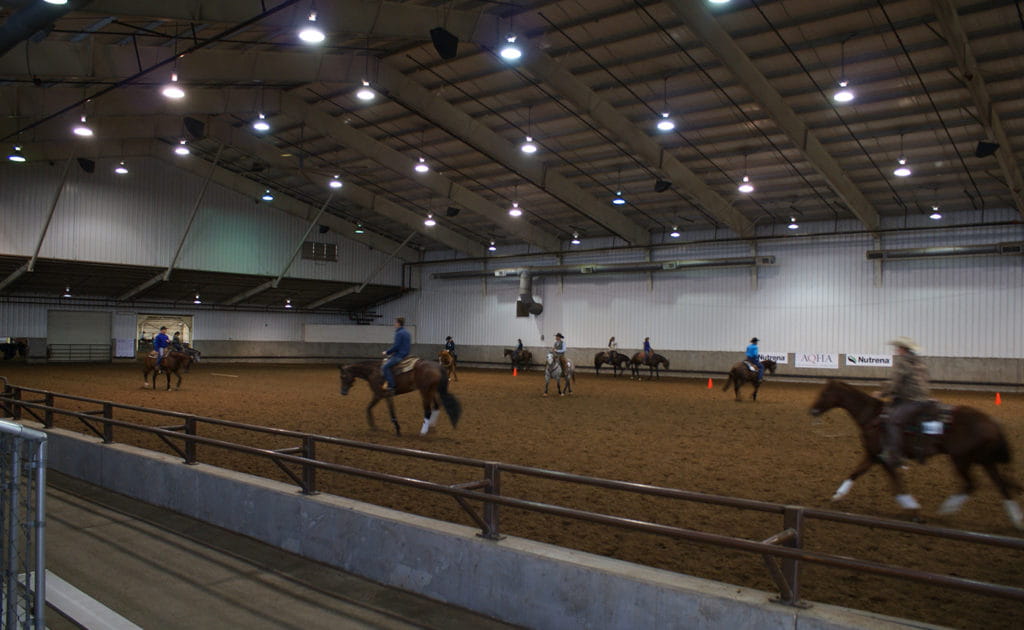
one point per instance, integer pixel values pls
(405, 365)
(750, 366)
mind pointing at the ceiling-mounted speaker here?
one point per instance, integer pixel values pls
(986, 148)
(87, 165)
(662, 185)
(323, 229)
(452, 211)
(445, 43)
(195, 128)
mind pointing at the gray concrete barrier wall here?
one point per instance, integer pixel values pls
(519, 581)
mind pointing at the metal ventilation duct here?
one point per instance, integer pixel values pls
(994, 249)
(30, 19)
(595, 268)
(527, 305)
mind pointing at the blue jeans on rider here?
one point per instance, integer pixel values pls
(386, 370)
(160, 357)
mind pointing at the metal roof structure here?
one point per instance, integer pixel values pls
(749, 85)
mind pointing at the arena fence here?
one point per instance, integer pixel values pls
(23, 483)
(782, 552)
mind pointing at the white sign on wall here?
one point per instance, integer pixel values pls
(823, 360)
(869, 360)
(778, 357)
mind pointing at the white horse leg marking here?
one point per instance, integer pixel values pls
(908, 502)
(433, 417)
(426, 426)
(952, 503)
(1013, 511)
(843, 490)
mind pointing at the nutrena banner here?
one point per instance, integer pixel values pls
(779, 357)
(819, 360)
(868, 360)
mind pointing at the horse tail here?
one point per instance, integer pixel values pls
(728, 382)
(452, 406)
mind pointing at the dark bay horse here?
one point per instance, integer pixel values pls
(619, 362)
(447, 360)
(652, 364)
(12, 346)
(174, 362)
(521, 359)
(427, 377)
(741, 373)
(553, 370)
(968, 436)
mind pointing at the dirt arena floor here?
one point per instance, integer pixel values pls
(674, 433)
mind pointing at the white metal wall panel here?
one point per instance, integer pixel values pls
(139, 218)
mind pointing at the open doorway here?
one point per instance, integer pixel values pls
(148, 326)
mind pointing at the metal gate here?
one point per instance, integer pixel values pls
(22, 493)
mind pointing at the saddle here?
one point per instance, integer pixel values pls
(922, 436)
(403, 366)
(750, 366)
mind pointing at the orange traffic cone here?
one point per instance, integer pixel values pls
(515, 371)
(999, 399)
(710, 386)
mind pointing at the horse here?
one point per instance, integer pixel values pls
(744, 372)
(553, 370)
(521, 359)
(618, 362)
(652, 364)
(173, 361)
(968, 436)
(428, 377)
(447, 360)
(14, 346)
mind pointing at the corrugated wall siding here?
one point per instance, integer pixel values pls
(821, 296)
(139, 218)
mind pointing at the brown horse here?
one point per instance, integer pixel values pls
(14, 346)
(741, 373)
(428, 377)
(652, 364)
(447, 360)
(174, 362)
(520, 359)
(618, 362)
(967, 435)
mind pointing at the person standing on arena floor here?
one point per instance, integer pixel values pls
(754, 356)
(908, 389)
(449, 345)
(398, 351)
(160, 343)
(559, 350)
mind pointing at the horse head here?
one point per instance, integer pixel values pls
(769, 365)
(550, 358)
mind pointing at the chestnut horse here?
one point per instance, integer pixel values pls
(428, 377)
(741, 373)
(967, 435)
(618, 362)
(521, 359)
(447, 360)
(652, 364)
(173, 361)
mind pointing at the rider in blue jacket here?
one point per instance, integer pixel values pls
(160, 343)
(449, 345)
(398, 351)
(754, 356)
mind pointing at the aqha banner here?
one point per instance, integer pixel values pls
(818, 360)
(868, 360)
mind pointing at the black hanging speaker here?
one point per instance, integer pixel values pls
(445, 42)
(195, 127)
(323, 229)
(662, 185)
(985, 149)
(87, 165)
(452, 211)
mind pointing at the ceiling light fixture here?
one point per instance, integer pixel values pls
(665, 124)
(492, 247)
(745, 186)
(82, 129)
(421, 166)
(267, 195)
(359, 229)
(528, 146)
(182, 148)
(575, 238)
(172, 90)
(335, 182)
(56, 1)
(311, 33)
(121, 169)
(935, 215)
(67, 292)
(675, 232)
(902, 170)
(197, 300)
(618, 200)
(515, 210)
(261, 124)
(287, 303)
(429, 221)
(793, 224)
(510, 51)
(16, 155)
(365, 93)
(844, 94)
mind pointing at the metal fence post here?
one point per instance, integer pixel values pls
(48, 414)
(492, 473)
(190, 445)
(308, 470)
(108, 429)
(793, 518)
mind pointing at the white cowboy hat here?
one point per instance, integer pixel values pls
(906, 342)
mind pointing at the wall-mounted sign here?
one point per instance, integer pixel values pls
(823, 360)
(869, 360)
(778, 357)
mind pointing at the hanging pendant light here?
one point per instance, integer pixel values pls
(173, 90)
(793, 225)
(261, 124)
(121, 169)
(492, 247)
(182, 148)
(16, 155)
(665, 123)
(311, 33)
(935, 215)
(844, 94)
(335, 182)
(675, 232)
(366, 93)
(421, 166)
(902, 170)
(575, 238)
(618, 199)
(82, 129)
(429, 221)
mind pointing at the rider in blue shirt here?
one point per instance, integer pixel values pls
(160, 343)
(398, 351)
(754, 356)
(449, 345)
(647, 350)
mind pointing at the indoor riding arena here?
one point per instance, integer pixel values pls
(257, 196)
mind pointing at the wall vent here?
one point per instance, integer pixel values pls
(312, 250)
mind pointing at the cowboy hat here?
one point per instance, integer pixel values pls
(559, 335)
(906, 342)
(754, 340)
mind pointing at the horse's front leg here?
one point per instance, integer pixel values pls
(369, 410)
(757, 386)
(394, 417)
(430, 413)
(956, 501)
(863, 467)
(905, 501)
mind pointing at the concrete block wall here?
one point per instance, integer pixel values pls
(516, 580)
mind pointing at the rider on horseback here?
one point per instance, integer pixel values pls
(160, 343)
(648, 352)
(449, 345)
(613, 350)
(559, 350)
(517, 355)
(754, 357)
(398, 351)
(908, 387)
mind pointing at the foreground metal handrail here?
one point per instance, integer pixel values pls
(784, 545)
